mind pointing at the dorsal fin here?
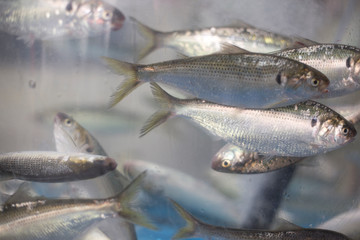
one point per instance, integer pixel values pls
(302, 42)
(281, 224)
(226, 48)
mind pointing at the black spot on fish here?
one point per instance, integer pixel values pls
(278, 78)
(89, 149)
(313, 122)
(69, 7)
(348, 62)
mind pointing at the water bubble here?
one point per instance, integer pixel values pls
(32, 84)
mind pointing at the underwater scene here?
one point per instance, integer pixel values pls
(160, 119)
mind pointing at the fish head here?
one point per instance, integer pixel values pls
(104, 15)
(94, 17)
(232, 159)
(305, 82)
(335, 131)
(64, 128)
(117, 20)
(70, 136)
(353, 65)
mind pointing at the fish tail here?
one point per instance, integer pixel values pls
(127, 199)
(131, 81)
(151, 37)
(191, 226)
(163, 114)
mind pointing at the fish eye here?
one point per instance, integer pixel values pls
(107, 15)
(68, 122)
(315, 82)
(225, 163)
(345, 131)
(349, 62)
(313, 122)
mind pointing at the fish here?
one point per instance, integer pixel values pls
(71, 136)
(48, 166)
(299, 130)
(197, 228)
(232, 159)
(167, 182)
(118, 121)
(53, 19)
(241, 79)
(340, 63)
(67, 218)
(209, 40)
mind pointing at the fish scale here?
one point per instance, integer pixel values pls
(53, 166)
(282, 131)
(246, 80)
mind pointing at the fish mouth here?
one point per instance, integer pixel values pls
(106, 165)
(117, 20)
(215, 164)
(110, 163)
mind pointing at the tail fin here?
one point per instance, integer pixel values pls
(191, 226)
(151, 37)
(127, 198)
(163, 114)
(131, 81)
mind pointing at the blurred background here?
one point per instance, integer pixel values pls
(70, 76)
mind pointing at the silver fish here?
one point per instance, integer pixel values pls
(232, 159)
(71, 136)
(340, 63)
(209, 40)
(66, 219)
(246, 80)
(299, 130)
(44, 166)
(196, 228)
(50, 19)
